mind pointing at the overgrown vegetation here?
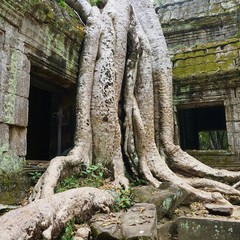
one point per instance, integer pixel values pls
(213, 140)
(96, 176)
(62, 3)
(91, 176)
(95, 2)
(35, 176)
(69, 230)
(123, 199)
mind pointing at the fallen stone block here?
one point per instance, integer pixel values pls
(140, 222)
(167, 230)
(217, 209)
(190, 228)
(106, 226)
(167, 198)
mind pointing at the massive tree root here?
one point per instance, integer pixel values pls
(124, 105)
(46, 218)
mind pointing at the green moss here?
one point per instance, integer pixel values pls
(226, 65)
(199, 60)
(11, 162)
(43, 13)
(199, 53)
(178, 72)
(216, 9)
(211, 67)
(190, 61)
(200, 68)
(167, 203)
(180, 63)
(9, 108)
(210, 58)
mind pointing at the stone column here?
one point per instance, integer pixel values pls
(14, 91)
(232, 106)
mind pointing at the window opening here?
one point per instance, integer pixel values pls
(203, 128)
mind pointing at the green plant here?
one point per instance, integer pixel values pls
(62, 3)
(35, 176)
(123, 199)
(69, 230)
(94, 2)
(92, 175)
(68, 183)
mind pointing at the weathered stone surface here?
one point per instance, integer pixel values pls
(166, 199)
(13, 109)
(216, 209)
(209, 229)
(10, 162)
(4, 139)
(167, 231)
(140, 222)
(106, 226)
(83, 233)
(18, 140)
(42, 37)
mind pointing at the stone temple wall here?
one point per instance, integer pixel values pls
(35, 36)
(203, 37)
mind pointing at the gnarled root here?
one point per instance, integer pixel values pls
(58, 167)
(46, 218)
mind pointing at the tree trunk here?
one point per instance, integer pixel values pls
(123, 111)
(124, 105)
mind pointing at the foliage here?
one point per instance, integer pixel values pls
(62, 3)
(94, 2)
(69, 231)
(35, 176)
(123, 199)
(68, 183)
(91, 176)
(213, 140)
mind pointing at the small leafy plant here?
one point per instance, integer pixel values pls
(68, 183)
(123, 199)
(62, 3)
(94, 2)
(69, 231)
(35, 176)
(92, 175)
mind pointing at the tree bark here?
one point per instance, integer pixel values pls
(46, 218)
(124, 111)
(124, 105)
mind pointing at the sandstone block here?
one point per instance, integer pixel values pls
(18, 140)
(106, 226)
(216, 209)
(166, 199)
(4, 137)
(209, 229)
(15, 82)
(140, 222)
(13, 109)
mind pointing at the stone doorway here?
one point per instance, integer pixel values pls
(51, 116)
(39, 124)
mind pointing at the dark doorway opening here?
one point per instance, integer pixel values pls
(39, 124)
(203, 128)
(51, 120)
